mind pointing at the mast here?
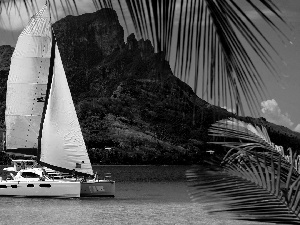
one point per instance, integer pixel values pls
(50, 77)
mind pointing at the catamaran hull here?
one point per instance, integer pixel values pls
(53, 189)
(101, 188)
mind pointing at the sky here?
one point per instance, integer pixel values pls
(281, 106)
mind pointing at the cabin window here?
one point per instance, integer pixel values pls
(30, 175)
(3, 186)
(14, 186)
(30, 185)
(45, 185)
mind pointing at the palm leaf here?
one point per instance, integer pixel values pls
(211, 41)
(253, 182)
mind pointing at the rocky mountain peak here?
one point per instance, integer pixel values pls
(93, 34)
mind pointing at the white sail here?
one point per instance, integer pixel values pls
(62, 143)
(27, 84)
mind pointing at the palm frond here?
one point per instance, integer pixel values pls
(209, 36)
(210, 40)
(254, 181)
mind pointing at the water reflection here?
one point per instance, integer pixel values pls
(135, 203)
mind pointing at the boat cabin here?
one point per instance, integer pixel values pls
(20, 164)
(24, 164)
(34, 174)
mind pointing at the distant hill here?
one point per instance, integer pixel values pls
(127, 98)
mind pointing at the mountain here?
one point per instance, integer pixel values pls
(131, 108)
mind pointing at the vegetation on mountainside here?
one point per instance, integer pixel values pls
(131, 102)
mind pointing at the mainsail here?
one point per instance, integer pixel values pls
(26, 85)
(62, 143)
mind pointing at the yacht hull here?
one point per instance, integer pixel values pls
(49, 188)
(98, 188)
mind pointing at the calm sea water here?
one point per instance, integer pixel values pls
(155, 202)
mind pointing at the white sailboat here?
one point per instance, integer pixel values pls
(41, 119)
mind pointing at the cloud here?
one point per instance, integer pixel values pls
(297, 128)
(272, 113)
